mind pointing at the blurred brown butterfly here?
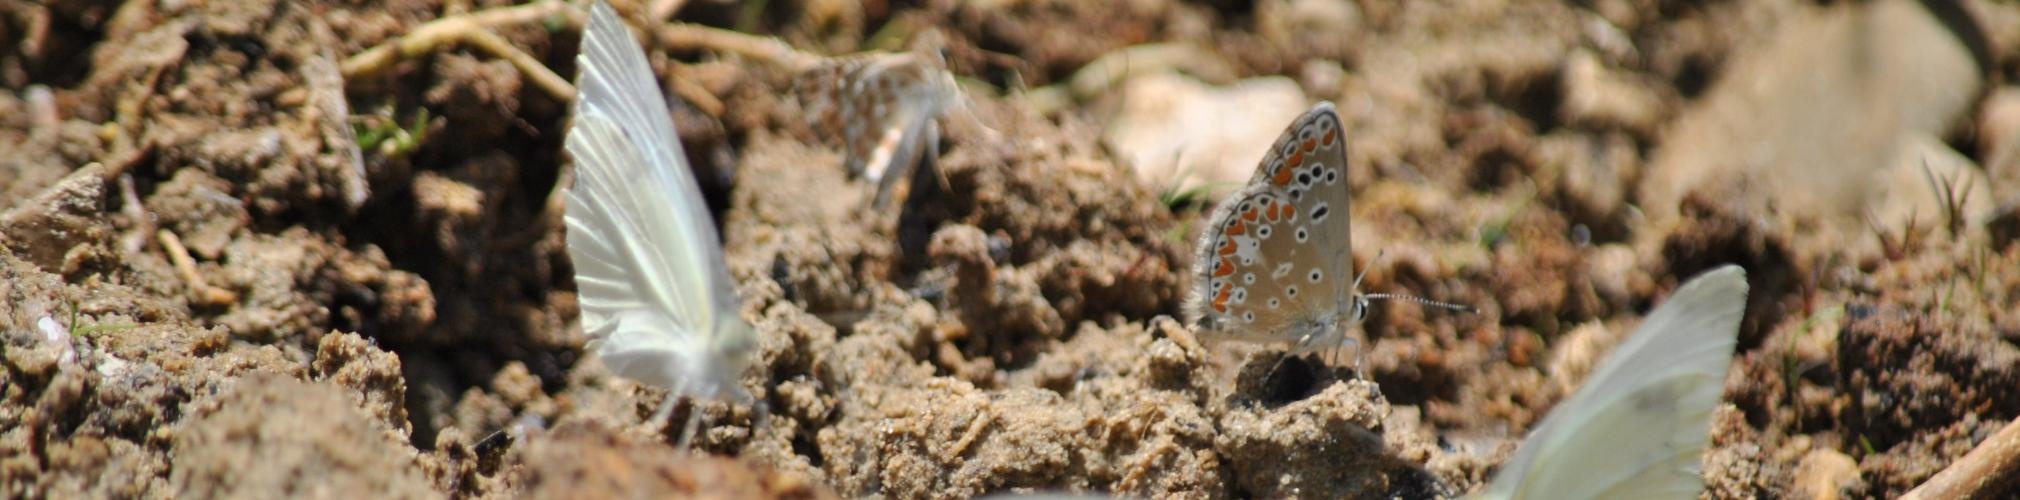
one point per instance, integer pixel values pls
(883, 107)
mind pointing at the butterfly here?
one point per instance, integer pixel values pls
(1272, 265)
(1635, 429)
(883, 107)
(657, 302)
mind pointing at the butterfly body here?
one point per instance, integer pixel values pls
(1275, 263)
(657, 302)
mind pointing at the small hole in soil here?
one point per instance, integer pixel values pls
(1276, 379)
(1292, 380)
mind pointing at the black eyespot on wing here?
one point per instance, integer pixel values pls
(1291, 291)
(1319, 213)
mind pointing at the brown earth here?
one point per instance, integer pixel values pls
(225, 273)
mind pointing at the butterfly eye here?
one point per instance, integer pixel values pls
(1360, 308)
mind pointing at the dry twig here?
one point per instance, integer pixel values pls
(1988, 471)
(473, 28)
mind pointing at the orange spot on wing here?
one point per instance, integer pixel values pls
(1227, 247)
(1226, 268)
(1237, 228)
(1272, 211)
(1282, 177)
(1330, 135)
(1311, 144)
(1295, 160)
(1249, 215)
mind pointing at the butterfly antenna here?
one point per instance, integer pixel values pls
(966, 110)
(1408, 298)
(1423, 301)
(1364, 270)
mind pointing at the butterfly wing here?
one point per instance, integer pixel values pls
(1638, 425)
(656, 297)
(1275, 263)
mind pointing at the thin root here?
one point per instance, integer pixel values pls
(474, 29)
(199, 292)
(765, 49)
(130, 206)
(968, 437)
(663, 9)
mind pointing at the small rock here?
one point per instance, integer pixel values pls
(1598, 97)
(1578, 352)
(1806, 123)
(44, 230)
(1325, 78)
(1611, 267)
(1181, 135)
(1824, 473)
(581, 462)
(352, 362)
(272, 436)
(1594, 179)
(1330, 442)
(1316, 24)
(200, 209)
(1929, 185)
(1999, 133)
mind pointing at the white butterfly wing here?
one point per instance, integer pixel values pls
(656, 297)
(1638, 425)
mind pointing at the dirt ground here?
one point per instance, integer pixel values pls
(230, 270)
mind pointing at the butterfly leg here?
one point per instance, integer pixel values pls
(665, 411)
(917, 216)
(1354, 344)
(687, 431)
(900, 157)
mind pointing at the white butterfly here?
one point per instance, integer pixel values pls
(657, 301)
(1638, 425)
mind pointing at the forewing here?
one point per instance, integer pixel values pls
(1638, 425)
(648, 266)
(1279, 252)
